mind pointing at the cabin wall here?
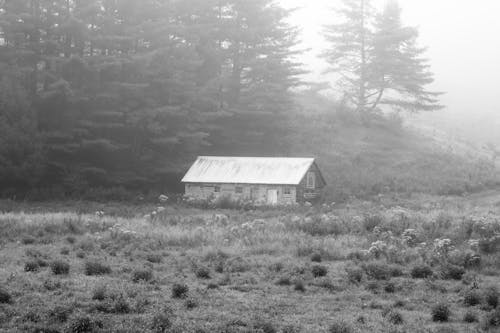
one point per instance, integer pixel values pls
(305, 193)
(255, 193)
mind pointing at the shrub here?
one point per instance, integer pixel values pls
(264, 327)
(142, 275)
(319, 271)
(316, 257)
(84, 324)
(284, 281)
(5, 297)
(179, 290)
(354, 274)
(290, 329)
(470, 317)
(202, 273)
(100, 293)
(340, 327)
(162, 321)
(421, 272)
(31, 266)
(71, 239)
(440, 312)
(372, 286)
(492, 319)
(491, 297)
(390, 287)
(372, 221)
(154, 258)
(452, 272)
(28, 240)
(394, 317)
(299, 286)
(59, 267)
(96, 268)
(472, 298)
(377, 271)
(191, 304)
(121, 305)
(60, 313)
(64, 251)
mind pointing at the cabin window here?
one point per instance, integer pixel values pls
(239, 189)
(311, 180)
(287, 191)
(217, 189)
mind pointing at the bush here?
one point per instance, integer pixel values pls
(154, 258)
(179, 290)
(60, 314)
(290, 329)
(5, 297)
(491, 297)
(316, 257)
(96, 268)
(191, 304)
(99, 293)
(144, 275)
(284, 281)
(84, 324)
(28, 240)
(340, 327)
(354, 274)
(452, 272)
(264, 327)
(390, 287)
(299, 286)
(202, 273)
(472, 298)
(421, 272)
(440, 313)
(377, 271)
(59, 267)
(162, 321)
(394, 317)
(319, 271)
(492, 319)
(31, 266)
(470, 317)
(121, 305)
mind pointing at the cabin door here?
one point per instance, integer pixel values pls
(272, 197)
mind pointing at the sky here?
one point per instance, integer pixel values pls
(463, 40)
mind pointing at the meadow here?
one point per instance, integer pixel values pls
(416, 264)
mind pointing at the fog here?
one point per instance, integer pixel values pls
(463, 49)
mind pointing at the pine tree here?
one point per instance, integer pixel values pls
(377, 60)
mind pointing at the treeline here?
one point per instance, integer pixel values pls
(124, 93)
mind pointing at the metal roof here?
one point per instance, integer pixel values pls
(248, 170)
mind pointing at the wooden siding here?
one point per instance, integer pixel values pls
(304, 193)
(255, 193)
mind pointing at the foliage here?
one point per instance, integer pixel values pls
(180, 290)
(96, 268)
(440, 312)
(59, 267)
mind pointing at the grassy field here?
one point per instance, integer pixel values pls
(420, 264)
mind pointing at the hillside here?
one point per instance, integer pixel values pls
(361, 157)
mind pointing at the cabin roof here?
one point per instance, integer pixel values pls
(248, 170)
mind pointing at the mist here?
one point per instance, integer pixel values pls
(463, 49)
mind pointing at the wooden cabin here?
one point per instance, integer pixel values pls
(262, 180)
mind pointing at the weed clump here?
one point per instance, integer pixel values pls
(31, 266)
(472, 298)
(340, 327)
(299, 286)
(59, 267)
(316, 257)
(84, 324)
(162, 321)
(319, 271)
(202, 273)
(191, 304)
(96, 268)
(60, 314)
(452, 272)
(284, 281)
(378, 271)
(144, 275)
(354, 274)
(393, 317)
(491, 297)
(390, 287)
(264, 327)
(470, 317)
(154, 258)
(421, 272)
(180, 290)
(492, 319)
(5, 297)
(441, 312)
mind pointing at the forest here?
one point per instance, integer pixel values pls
(123, 94)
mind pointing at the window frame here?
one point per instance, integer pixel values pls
(311, 180)
(287, 191)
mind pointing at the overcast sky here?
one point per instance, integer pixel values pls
(463, 37)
